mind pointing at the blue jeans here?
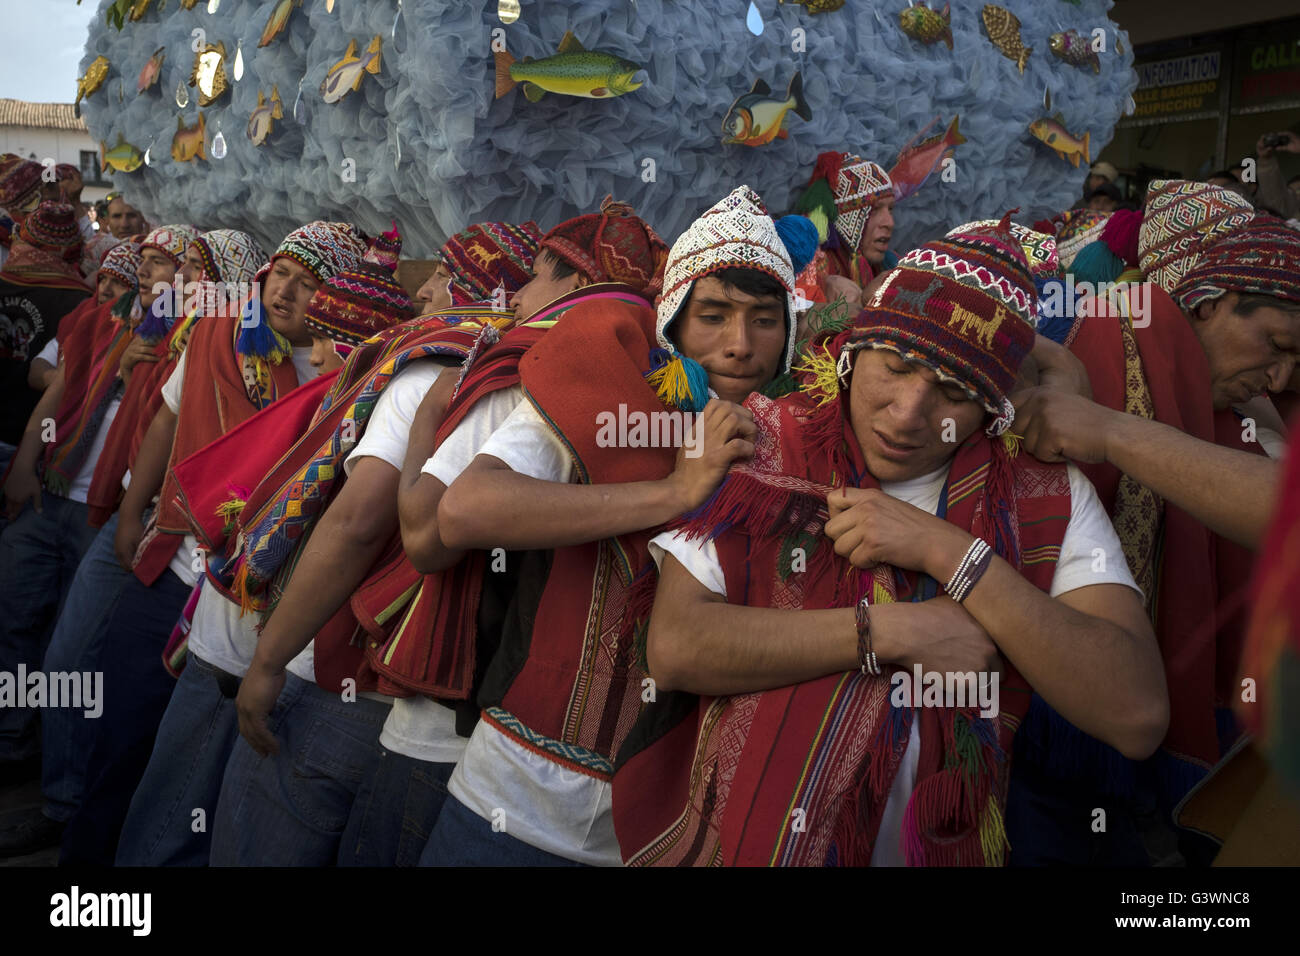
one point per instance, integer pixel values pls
(39, 554)
(66, 735)
(136, 690)
(291, 809)
(184, 775)
(395, 811)
(463, 838)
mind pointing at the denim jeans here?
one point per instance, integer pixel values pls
(136, 690)
(194, 741)
(291, 809)
(463, 838)
(39, 554)
(66, 735)
(395, 811)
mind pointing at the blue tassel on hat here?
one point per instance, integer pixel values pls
(799, 234)
(678, 381)
(257, 339)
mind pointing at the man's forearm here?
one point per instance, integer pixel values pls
(500, 508)
(1230, 492)
(29, 447)
(335, 561)
(150, 464)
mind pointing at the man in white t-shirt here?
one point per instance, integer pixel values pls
(533, 786)
(302, 687)
(766, 634)
(206, 396)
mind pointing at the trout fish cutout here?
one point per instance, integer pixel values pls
(917, 161)
(572, 71)
(261, 122)
(1065, 144)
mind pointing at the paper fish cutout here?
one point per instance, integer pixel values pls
(756, 118)
(1064, 143)
(818, 6)
(152, 70)
(188, 141)
(94, 78)
(917, 161)
(123, 157)
(346, 74)
(1003, 28)
(572, 71)
(277, 21)
(262, 121)
(140, 7)
(209, 73)
(1074, 49)
(922, 23)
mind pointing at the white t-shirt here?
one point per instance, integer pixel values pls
(50, 353)
(1089, 528)
(79, 490)
(386, 437)
(183, 561)
(546, 805)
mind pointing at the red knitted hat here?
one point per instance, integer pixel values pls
(352, 306)
(53, 227)
(613, 245)
(20, 184)
(961, 306)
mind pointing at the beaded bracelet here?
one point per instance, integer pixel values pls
(976, 561)
(866, 654)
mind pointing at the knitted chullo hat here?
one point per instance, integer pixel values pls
(488, 256)
(122, 262)
(355, 304)
(53, 228)
(1261, 257)
(1182, 220)
(841, 191)
(323, 248)
(20, 185)
(735, 233)
(171, 241)
(613, 245)
(1039, 248)
(963, 307)
(229, 255)
(1075, 228)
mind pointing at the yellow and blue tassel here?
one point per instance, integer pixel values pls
(679, 382)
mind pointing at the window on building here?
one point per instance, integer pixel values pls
(90, 166)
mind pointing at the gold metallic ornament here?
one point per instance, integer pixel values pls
(93, 79)
(209, 73)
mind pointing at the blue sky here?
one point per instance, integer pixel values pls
(45, 40)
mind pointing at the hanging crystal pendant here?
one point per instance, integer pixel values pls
(219, 144)
(396, 18)
(754, 20)
(212, 5)
(508, 10)
(182, 95)
(397, 136)
(299, 107)
(239, 62)
(148, 160)
(329, 6)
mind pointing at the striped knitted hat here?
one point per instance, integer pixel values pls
(354, 304)
(1182, 219)
(1040, 248)
(20, 184)
(858, 185)
(1260, 258)
(613, 245)
(121, 263)
(488, 256)
(963, 307)
(735, 233)
(323, 248)
(53, 227)
(229, 255)
(171, 241)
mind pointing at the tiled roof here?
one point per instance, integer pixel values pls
(39, 115)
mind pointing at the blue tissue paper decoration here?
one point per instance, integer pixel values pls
(425, 141)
